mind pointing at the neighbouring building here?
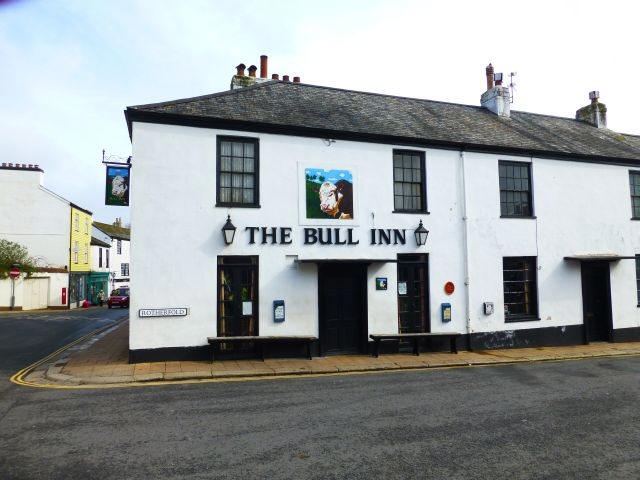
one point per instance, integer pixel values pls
(532, 220)
(38, 219)
(79, 255)
(119, 252)
(100, 257)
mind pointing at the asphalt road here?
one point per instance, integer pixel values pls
(569, 420)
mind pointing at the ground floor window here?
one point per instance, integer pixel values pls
(237, 297)
(413, 294)
(520, 288)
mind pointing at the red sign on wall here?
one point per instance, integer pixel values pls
(64, 295)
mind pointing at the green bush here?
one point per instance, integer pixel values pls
(14, 254)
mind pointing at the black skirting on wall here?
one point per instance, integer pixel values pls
(530, 337)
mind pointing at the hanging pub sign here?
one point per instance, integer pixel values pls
(117, 186)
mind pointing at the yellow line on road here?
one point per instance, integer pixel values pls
(18, 378)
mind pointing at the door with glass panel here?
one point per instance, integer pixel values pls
(413, 294)
(237, 299)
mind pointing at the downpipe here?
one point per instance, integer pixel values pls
(465, 242)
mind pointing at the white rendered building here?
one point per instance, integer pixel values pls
(533, 229)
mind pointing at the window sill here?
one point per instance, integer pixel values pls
(420, 212)
(236, 205)
(532, 217)
(524, 318)
(635, 218)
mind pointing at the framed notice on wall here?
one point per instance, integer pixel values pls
(117, 186)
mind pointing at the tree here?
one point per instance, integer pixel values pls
(14, 254)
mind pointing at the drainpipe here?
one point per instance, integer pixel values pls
(465, 242)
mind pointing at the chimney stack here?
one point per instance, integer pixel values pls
(296, 79)
(489, 71)
(275, 76)
(497, 98)
(263, 66)
(240, 70)
(595, 113)
(252, 71)
(285, 78)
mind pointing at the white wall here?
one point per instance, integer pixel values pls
(56, 282)
(581, 209)
(117, 259)
(175, 265)
(34, 217)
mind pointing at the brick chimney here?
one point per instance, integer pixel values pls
(241, 79)
(118, 222)
(497, 98)
(594, 114)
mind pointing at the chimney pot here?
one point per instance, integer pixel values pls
(594, 96)
(263, 66)
(252, 70)
(489, 72)
(275, 76)
(240, 69)
(285, 78)
(296, 79)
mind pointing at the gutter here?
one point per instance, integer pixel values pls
(465, 248)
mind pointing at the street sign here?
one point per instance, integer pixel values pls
(14, 272)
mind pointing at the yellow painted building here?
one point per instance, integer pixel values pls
(79, 255)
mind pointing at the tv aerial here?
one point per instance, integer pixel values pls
(512, 85)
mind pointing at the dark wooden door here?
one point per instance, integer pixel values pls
(237, 299)
(596, 301)
(342, 308)
(413, 294)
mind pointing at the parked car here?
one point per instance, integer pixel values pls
(119, 297)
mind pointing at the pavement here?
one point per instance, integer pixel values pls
(102, 359)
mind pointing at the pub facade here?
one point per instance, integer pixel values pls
(282, 208)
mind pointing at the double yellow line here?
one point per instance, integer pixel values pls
(19, 377)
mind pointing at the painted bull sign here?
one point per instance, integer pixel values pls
(117, 186)
(329, 194)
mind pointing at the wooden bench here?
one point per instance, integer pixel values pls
(262, 341)
(415, 337)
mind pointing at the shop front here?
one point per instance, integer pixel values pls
(98, 282)
(78, 289)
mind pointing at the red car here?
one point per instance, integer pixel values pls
(120, 297)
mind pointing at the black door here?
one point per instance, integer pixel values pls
(237, 299)
(596, 301)
(413, 294)
(342, 308)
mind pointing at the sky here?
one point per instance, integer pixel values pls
(68, 69)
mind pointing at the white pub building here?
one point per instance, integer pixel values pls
(279, 208)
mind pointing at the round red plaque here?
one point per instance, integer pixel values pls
(449, 287)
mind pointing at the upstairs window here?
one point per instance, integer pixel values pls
(409, 190)
(124, 269)
(515, 189)
(99, 257)
(77, 222)
(119, 247)
(86, 225)
(634, 181)
(106, 251)
(237, 166)
(75, 252)
(86, 253)
(520, 288)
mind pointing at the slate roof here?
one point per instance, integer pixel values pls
(299, 108)
(114, 231)
(99, 243)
